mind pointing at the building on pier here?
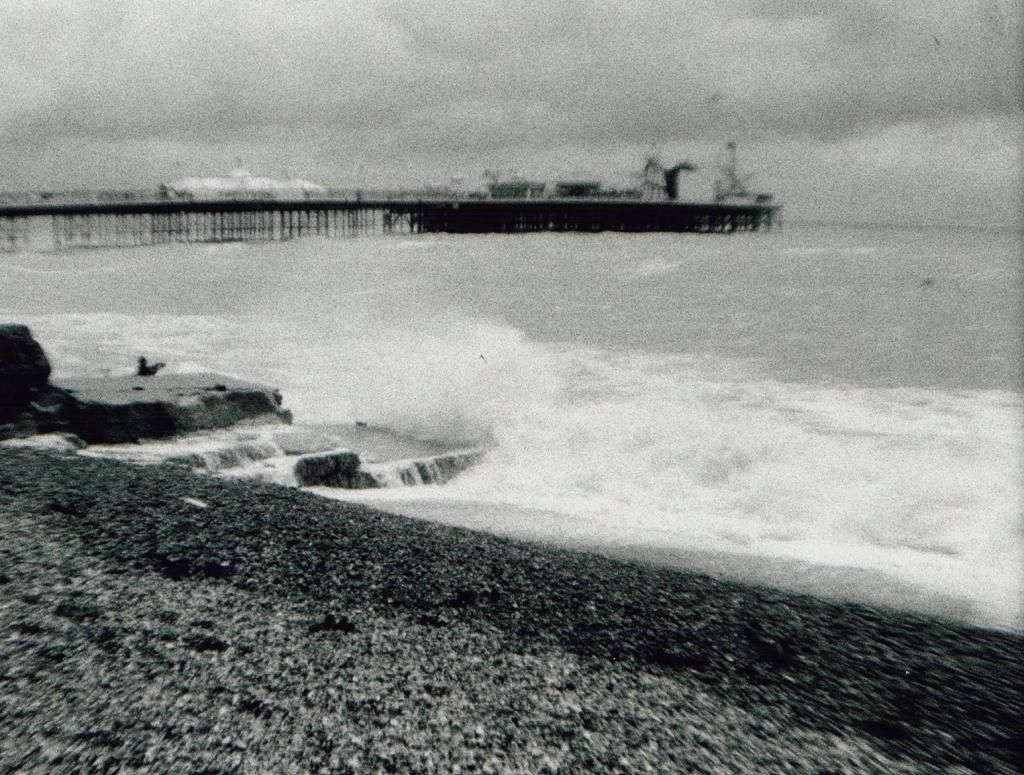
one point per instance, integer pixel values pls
(513, 188)
(242, 184)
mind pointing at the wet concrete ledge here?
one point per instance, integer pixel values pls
(116, 409)
(123, 409)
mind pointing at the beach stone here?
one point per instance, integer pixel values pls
(77, 612)
(204, 642)
(679, 658)
(886, 728)
(24, 368)
(332, 623)
(464, 598)
(431, 620)
(179, 568)
(772, 649)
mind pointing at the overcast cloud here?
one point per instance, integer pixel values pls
(877, 110)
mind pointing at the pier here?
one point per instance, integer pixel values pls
(59, 222)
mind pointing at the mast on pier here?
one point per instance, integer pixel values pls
(734, 187)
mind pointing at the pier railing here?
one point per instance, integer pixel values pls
(104, 219)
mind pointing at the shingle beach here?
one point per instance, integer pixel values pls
(158, 620)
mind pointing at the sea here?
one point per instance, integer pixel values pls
(837, 411)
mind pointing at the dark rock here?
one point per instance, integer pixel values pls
(340, 468)
(372, 706)
(467, 598)
(106, 638)
(69, 507)
(27, 627)
(886, 728)
(775, 650)
(437, 690)
(205, 643)
(679, 658)
(48, 411)
(52, 654)
(215, 570)
(102, 737)
(76, 612)
(178, 568)
(254, 707)
(464, 598)
(430, 620)
(174, 568)
(332, 623)
(24, 368)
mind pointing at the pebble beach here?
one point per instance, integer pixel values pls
(157, 620)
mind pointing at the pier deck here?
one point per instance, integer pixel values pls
(130, 221)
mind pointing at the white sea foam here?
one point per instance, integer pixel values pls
(917, 485)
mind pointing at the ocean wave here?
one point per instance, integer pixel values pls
(919, 484)
(701, 446)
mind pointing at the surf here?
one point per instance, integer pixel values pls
(673, 399)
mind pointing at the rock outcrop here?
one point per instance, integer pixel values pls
(119, 409)
(24, 370)
(300, 457)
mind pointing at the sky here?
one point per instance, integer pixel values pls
(867, 111)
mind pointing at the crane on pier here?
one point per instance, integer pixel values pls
(657, 182)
